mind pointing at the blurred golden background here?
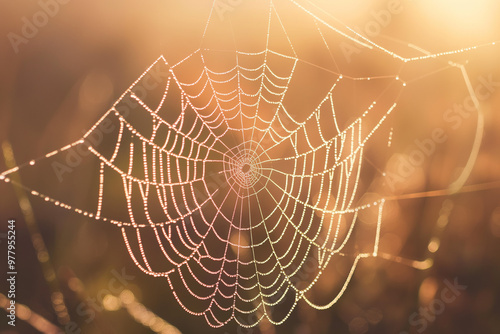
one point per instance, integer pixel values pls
(58, 77)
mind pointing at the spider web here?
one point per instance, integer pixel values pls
(222, 190)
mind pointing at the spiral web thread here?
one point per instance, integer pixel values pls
(236, 251)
